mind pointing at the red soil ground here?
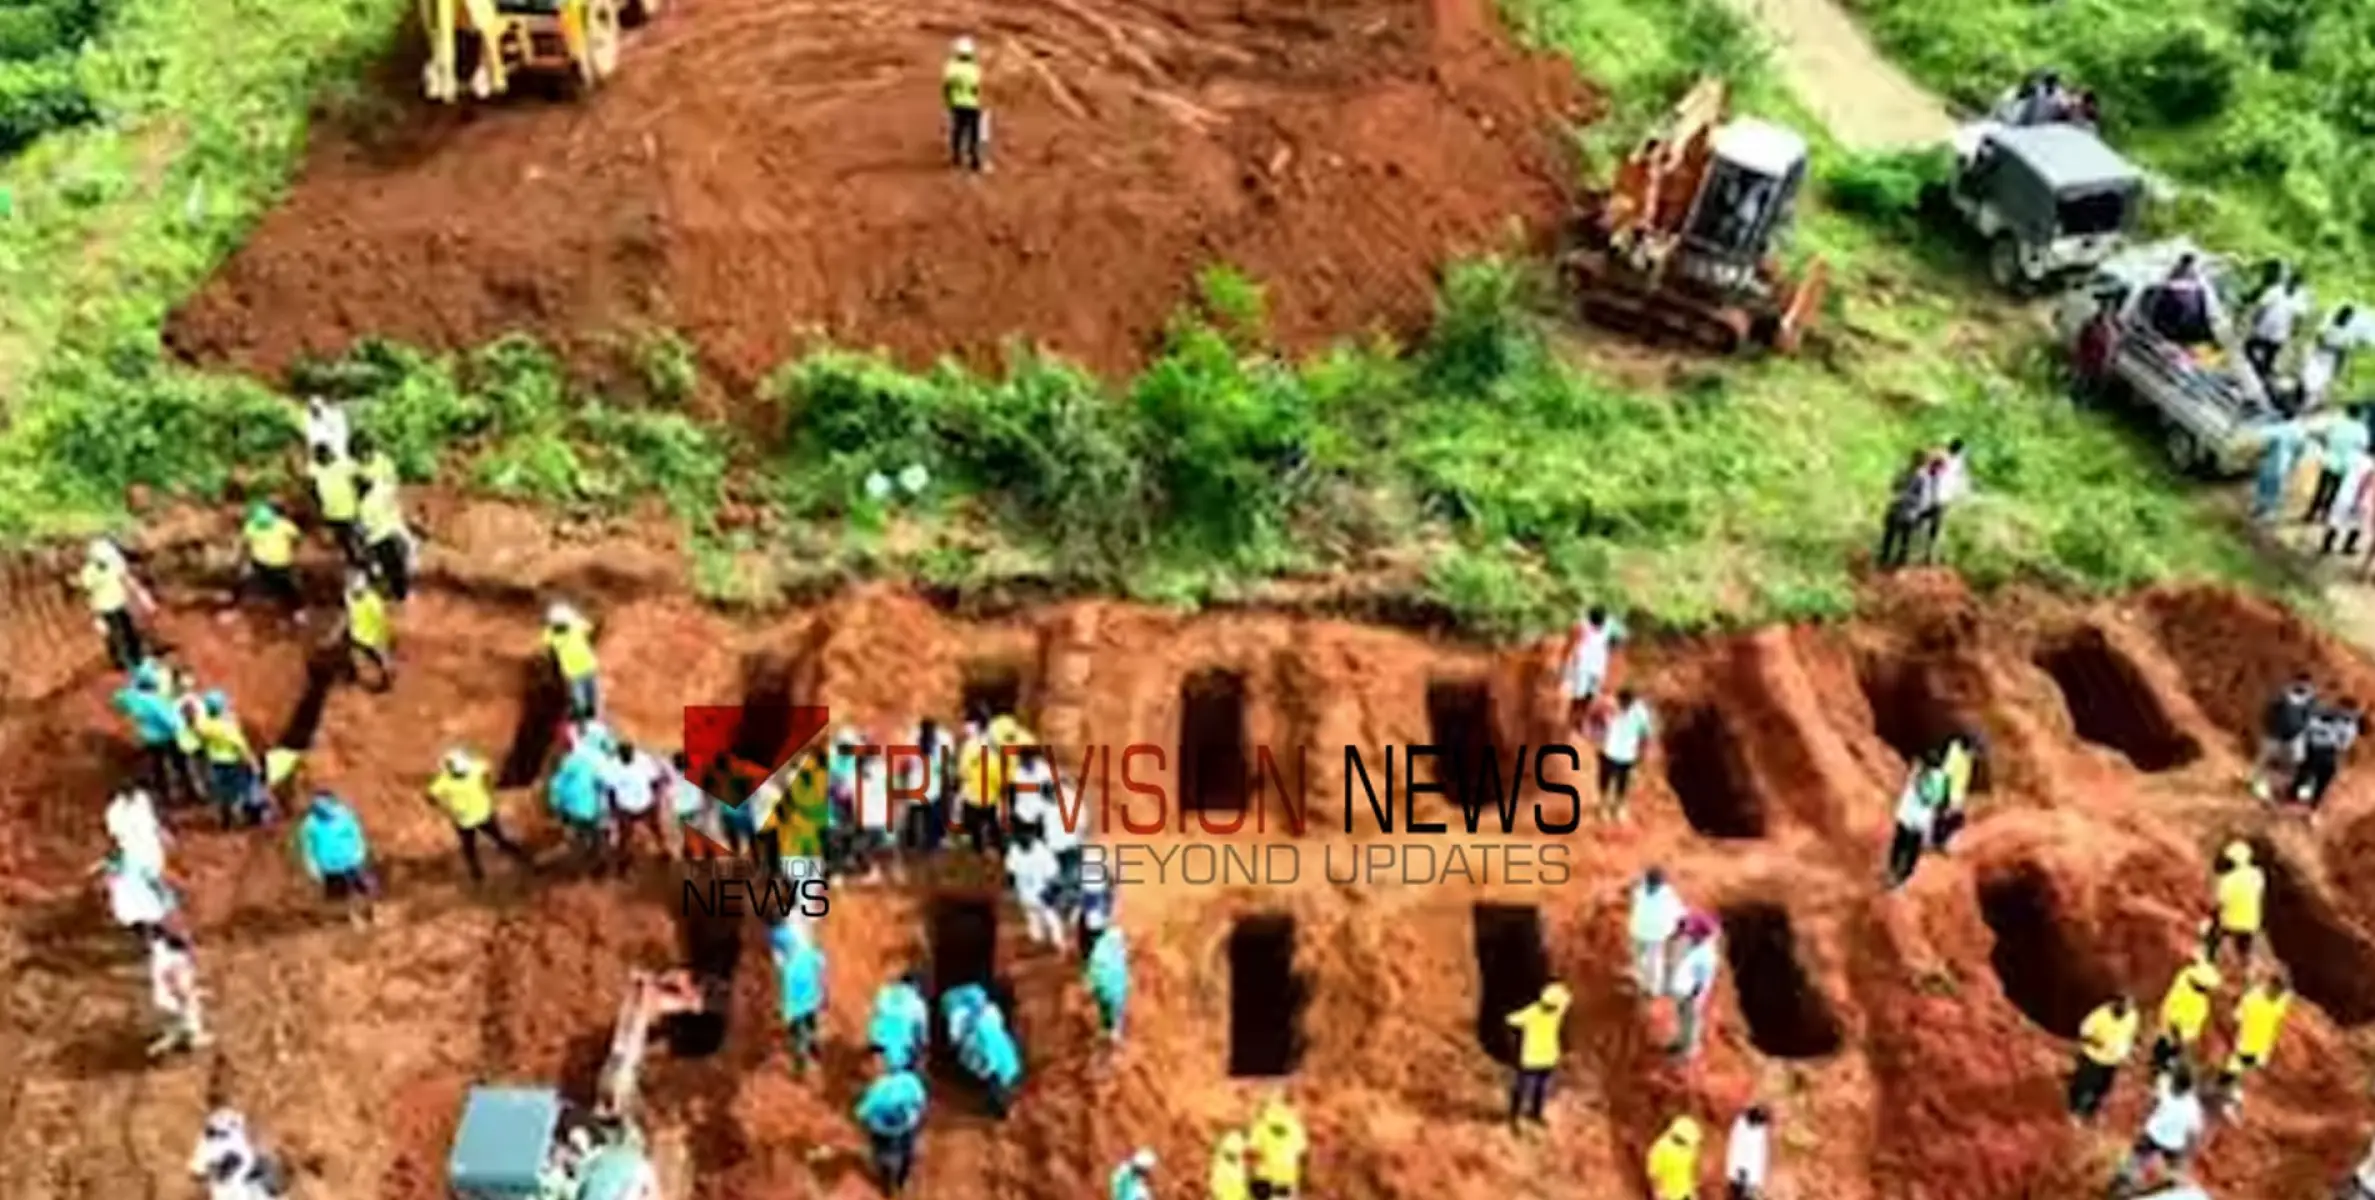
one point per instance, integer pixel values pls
(1911, 1044)
(762, 170)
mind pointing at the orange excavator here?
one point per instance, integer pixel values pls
(1679, 248)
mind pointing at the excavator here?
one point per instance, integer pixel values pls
(1678, 248)
(488, 42)
(527, 1143)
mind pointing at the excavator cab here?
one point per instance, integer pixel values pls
(1679, 247)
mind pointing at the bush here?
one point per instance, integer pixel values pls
(1887, 187)
(38, 96)
(2172, 76)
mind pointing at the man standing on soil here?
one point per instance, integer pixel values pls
(1279, 1142)
(108, 587)
(2169, 1134)
(2184, 1011)
(892, 1111)
(1918, 806)
(901, 1024)
(1108, 972)
(1591, 647)
(468, 798)
(569, 638)
(2281, 726)
(133, 826)
(173, 987)
(2240, 895)
(368, 636)
(631, 783)
(576, 796)
(158, 727)
(800, 979)
(1748, 1154)
(1620, 750)
(1693, 985)
(270, 544)
(1673, 1164)
(2327, 738)
(2105, 1040)
(330, 842)
(960, 89)
(1913, 495)
(387, 540)
(1538, 1026)
(1950, 483)
(1958, 761)
(338, 497)
(1034, 869)
(1652, 923)
(232, 777)
(2259, 1016)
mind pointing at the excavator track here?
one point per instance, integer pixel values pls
(1608, 295)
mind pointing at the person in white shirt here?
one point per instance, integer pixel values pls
(2170, 1130)
(1590, 647)
(2274, 316)
(1951, 484)
(1620, 749)
(1652, 922)
(872, 806)
(325, 425)
(173, 987)
(1097, 900)
(230, 1163)
(137, 898)
(687, 803)
(2348, 516)
(1693, 984)
(1747, 1154)
(632, 782)
(132, 824)
(1918, 805)
(1035, 871)
(2329, 355)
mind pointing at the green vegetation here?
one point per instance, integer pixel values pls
(2263, 107)
(41, 44)
(1500, 469)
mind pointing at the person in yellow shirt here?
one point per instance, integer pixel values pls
(1958, 762)
(230, 764)
(1538, 1027)
(2238, 899)
(370, 638)
(2105, 1040)
(338, 494)
(281, 784)
(2259, 1016)
(981, 788)
(2184, 1013)
(463, 790)
(107, 585)
(569, 638)
(1227, 1180)
(1278, 1146)
(271, 545)
(387, 541)
(1674, 1162)
(960, 90)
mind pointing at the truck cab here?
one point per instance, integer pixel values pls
(2053, 201)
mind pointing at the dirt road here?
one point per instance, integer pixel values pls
(1865, 100)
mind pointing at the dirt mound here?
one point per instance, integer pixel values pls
(1945, 1006)
(761, 168)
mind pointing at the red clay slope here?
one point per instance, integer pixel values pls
(763, 168)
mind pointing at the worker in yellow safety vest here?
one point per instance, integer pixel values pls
(369, 639)
(462, 788)
(1957, 763)
(1674, 1161)
(2238, 899)
(1538, 1026)
(981, 789)
(569, 638)
(2184, 1013)
(1278, 1146)
(107, 585)
(1227, 1179)
(2105, 1040)
(387, 541)
(230, 764)
(960, 89)
(271, 544)
(338, 494)
(2259, 1016)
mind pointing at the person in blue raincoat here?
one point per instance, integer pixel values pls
(576, 797)
(892, 1112)
(2278, 456)
(988, 1053)
(158, 727)
(800, 976)
(901, 1025)
(331, 844)
(1109, 980)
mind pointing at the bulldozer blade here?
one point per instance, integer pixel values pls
(1805, 304)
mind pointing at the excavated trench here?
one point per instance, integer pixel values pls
(1512, 968)
(1266, 998)
(1788, 1017)
(544, 705)
(766, 724)
(322, 673)
(1213, 766)
(2332, 964)
(991, 688)
(1911, 719)
(2047, 975)
(1469, 760)
(2111, 705)
(1705, 768)
(962, 939)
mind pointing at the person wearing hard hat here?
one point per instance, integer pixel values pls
(1959, 760)
(1226, 1180)
(463, 790)
(2259, 1016)
(338, 496)
(2184, 1013)
(2239, 896)
(108, 587)
(960, 89)
(1134, 1179)
(569, 638)
(1278, 1146)
(892, 1112)
(270, 543)
(334, 851)
(2105, 1040)
(159, 727)
(387, 540)
(369, 637)
(981, 788)
(1674, 1162)
(230, 764)
(280, 778)
(1538, 1025)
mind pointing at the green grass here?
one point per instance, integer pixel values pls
(2261, 107)
(1500, 469)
